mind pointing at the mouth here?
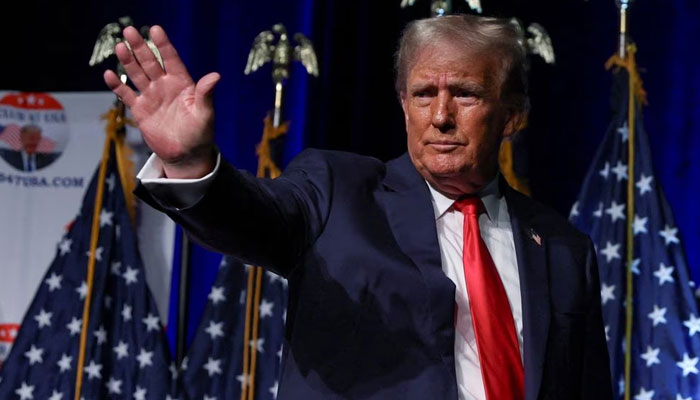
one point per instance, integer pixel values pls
(444, 146)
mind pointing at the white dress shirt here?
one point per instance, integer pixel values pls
(495, 229)
(497, 233)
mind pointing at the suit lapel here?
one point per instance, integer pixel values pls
(530, 248)
(406, 201)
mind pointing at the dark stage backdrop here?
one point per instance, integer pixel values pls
(352, 105)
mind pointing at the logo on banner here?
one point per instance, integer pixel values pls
(33, 130)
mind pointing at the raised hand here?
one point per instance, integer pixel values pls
(175, 115)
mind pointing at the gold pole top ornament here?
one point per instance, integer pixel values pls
(110, 35)
(274, 45)
(439, 8)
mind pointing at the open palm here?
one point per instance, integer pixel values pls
(174, 114)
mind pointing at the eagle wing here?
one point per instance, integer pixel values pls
(261, 52)
(304, 52)
(540, 43)
(106, 40)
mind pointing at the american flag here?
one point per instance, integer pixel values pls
(665, 346)
(126, 354)
(213, 367)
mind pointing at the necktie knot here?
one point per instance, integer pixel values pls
(470, 205)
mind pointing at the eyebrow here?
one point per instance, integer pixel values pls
(457, 84)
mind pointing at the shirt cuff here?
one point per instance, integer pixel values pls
(179, 193)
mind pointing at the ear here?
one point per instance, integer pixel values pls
(516, 122)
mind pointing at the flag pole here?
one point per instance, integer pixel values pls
(273, 45)
(626, 55)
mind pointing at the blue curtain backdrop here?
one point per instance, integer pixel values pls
(352, 106)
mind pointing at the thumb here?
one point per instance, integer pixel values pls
(205, 87)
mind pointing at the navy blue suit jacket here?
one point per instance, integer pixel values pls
(371, 313)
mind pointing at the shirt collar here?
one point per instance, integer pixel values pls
(490, 195)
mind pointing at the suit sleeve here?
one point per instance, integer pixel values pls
(261, 221)
(596, 364)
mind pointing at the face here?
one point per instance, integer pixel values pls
(30, 140)
(455, 118)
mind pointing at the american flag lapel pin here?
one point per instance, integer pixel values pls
(536, 237)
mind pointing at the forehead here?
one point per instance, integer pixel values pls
(453, 61)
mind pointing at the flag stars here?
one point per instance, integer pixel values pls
(651, 356)
(670, 235)
(635, 266)
(624, 132)
(34, 355)
(644, 184)
(215, 329)
(98, 253)
(93, 370)
(640, 224)
(273, 389)
(151, 322)
(258, 344)
(244, 379)
(173, 371)
(130, 275)
(213, 366)
(82, 290)
(644, 394)
(693, 325)
(64, 362)
(110, 182)
(139, 393)
(74, 326)
(106, 218)
(114, 386)
(605, 172)
(25, 392)
(574, 211)
(607, 293)
(56, 395)
(688, 365)
(54, 281)
(658, 315)
(607, 335)
(43, 318)
(101, 335)
(122, 350)
(620, 170)
(126, 312)
(664, 274)
(116, 268)
(145, 358)
(217, 294)
(616, 211)
(64, 246)
(208, 397)
(611, 251)
(266, 308)
(599, 212)
(679, 397)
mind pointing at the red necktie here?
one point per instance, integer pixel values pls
(494, 328)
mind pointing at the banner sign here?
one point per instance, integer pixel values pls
(50, 145)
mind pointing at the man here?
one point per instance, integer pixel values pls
(28, 159)
(423, 278)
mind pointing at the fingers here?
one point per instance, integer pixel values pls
(204, 89)
(144, 56)
(173, 63)
(132, 67)
(127, 95)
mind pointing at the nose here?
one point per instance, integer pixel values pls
(443, 117)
